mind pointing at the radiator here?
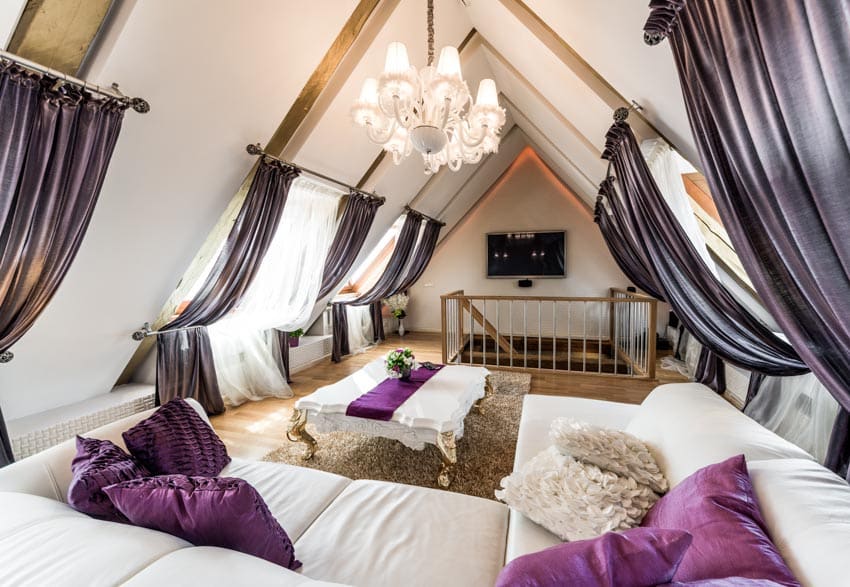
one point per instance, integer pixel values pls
(40, 431)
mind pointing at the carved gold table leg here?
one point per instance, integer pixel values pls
(298, 433)
(488, 391)
(448, 453)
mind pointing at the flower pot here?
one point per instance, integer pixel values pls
(293, 341)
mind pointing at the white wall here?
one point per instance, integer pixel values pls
(218, 75)
(528, 197)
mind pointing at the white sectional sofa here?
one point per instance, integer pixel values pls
(369, 533)
(688, 426)
(363, 533)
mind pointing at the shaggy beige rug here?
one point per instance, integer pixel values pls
(485, 453)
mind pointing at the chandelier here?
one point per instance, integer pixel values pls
(430, 110)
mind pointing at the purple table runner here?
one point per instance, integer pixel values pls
(381, 402)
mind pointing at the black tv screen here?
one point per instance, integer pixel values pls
(526, 254)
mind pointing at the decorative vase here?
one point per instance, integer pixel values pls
(404, 374)
(401, 327)
(293, 341)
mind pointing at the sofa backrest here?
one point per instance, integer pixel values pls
(48, 473)
(688, 426)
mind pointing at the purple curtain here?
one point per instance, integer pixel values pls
(340, 332)
(766, 95)
(387, 285)
(701, 302)
(283, 343)
(621, 249)
(350, 235)
(710, 370)
(55, 148)
(185, 366)
(422, 256)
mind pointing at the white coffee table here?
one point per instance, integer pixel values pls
(432, 415)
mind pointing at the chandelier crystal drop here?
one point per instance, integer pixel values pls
(430, 110)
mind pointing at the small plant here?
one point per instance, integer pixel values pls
(398, 305)
(297, 333)
(399, 363)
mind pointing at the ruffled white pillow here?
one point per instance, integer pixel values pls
(610, 450)
(574, 500)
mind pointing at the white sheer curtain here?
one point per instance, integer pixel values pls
(282, 296)
(799, 409)
(359, 328)
(667, 167)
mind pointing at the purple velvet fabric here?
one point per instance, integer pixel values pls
(727, 582)
(381, 402)
(718, 506)
(218, 511)
(640, 557)
(100, 463)
(175, 440)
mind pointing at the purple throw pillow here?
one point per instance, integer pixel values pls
(727, 582)
(206, 511)
(175, 440)
(640, 557)
(718, 506)
(100, 463)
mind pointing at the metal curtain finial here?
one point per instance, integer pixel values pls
(430, 32)
(6, 356)
(622, 113)
(144, 331)
(254, 149)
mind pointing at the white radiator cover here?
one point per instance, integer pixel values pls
(40, 431)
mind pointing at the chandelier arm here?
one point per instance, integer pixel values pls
(446, 113)
(402, 121)
(377, 138)
(475, 142)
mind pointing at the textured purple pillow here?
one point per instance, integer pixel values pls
(727, 582)
(640, 557)
(718, 506)
(206, 511)
(100, 463)
(175, 440)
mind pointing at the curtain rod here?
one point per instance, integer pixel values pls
(145, 331)
(409, 209)
(138, 104)
(256, 149)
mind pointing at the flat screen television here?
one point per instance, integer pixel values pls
(513, 255)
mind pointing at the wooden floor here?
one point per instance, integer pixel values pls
(256, 428)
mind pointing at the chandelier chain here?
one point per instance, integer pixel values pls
(430, 32)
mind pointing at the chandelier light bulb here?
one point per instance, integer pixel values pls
(449, 63)
(397, 61)
(487, 95)
(369, 92)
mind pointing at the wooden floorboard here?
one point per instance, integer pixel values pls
(256, 428)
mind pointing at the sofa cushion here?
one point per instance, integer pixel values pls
(206, 511)
(538, 412)
(609, 449)
(175, 440)
(640, 557)
(378, 533)
(688, 426)
(217, 567)
(573, 500)
(718, 506)
(295, 495)
(45, 542)
(807, 512)
(100, 463)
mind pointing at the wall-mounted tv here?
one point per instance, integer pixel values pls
(513, 255)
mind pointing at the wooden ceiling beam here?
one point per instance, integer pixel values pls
(58, 33)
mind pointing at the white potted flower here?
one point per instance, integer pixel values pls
(399, 363)
(398, 307)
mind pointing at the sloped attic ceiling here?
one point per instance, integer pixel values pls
(221, 74)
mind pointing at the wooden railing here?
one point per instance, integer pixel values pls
(612, 335)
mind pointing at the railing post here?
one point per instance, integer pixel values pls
(653, 319)
(443, 329)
